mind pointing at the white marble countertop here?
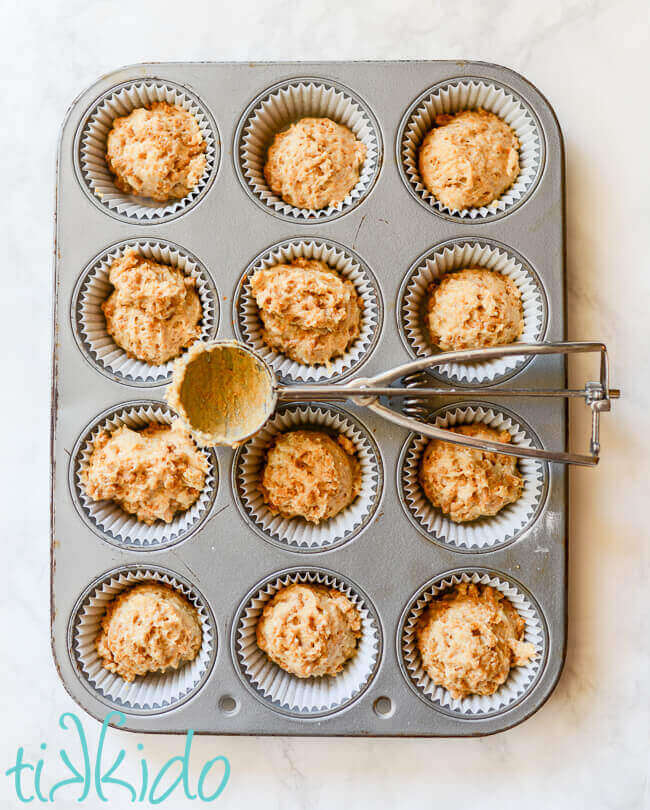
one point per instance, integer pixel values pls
(588, 746)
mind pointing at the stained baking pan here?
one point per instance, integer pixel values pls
(391, 556)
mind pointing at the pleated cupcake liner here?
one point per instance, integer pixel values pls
(90, 155)
(155, 691)
(296, 533)
(249, 324)
(285, 104)
(485, 533)
(305, 696)
(520, 679)
(431, 269)
(94, 287)
(107, 518)
(454, 97)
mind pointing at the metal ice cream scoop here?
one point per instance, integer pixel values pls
(225, 392)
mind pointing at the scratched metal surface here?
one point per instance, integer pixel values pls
(390, 560)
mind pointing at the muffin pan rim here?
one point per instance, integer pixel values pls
(238, 138)
(399, 140)
(75, 305)
(84, 595)
(83, 437)
(327, 241)
(511, 252)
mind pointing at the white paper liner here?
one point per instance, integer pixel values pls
(432, 268)
(454, 97)
(485, 532)
(94, 288)
(287, 103)
(119, 102)
(305, 695)
(249, 324)
(108, 517)
(297, 533)
(156, 690)
(519, 680)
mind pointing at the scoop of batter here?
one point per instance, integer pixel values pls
(469, 159)
(151, 473)
(469, 638)
(474, 308)
(221, 392)
(156, 151)
(309, 630)
(308, 474)
(148, 628)
(154, 311)
(466, 483)
(310, 313)
(315, 163)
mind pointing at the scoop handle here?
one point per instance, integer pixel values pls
(365, 392)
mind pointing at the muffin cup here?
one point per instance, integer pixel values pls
(89, 323)
(249, 325)
(431, 268)
(156, 691)
(520, 680)
(90, 150)
(297, 534)
(470, 94)
(286, 103)
(285, 692)
(106, 518)
(485, 533)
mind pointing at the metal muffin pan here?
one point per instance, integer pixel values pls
(389, 559)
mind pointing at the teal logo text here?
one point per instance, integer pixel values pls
(86, 772)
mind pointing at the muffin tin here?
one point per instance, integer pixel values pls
(391, 555)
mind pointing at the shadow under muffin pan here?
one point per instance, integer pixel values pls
(94, 288)
(106, 518)
(91, 167)
(350, 266)
(386, 549)
(451, 257)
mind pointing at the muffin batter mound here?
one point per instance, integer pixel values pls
(151, 473)
(314, 163)
(474, 308)
(468, 160)
(154, 311)
(309, 630)
(148, 628)
(156, 152)
(310, 313)
(310, 475)
(469, 638)
(466, 483)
